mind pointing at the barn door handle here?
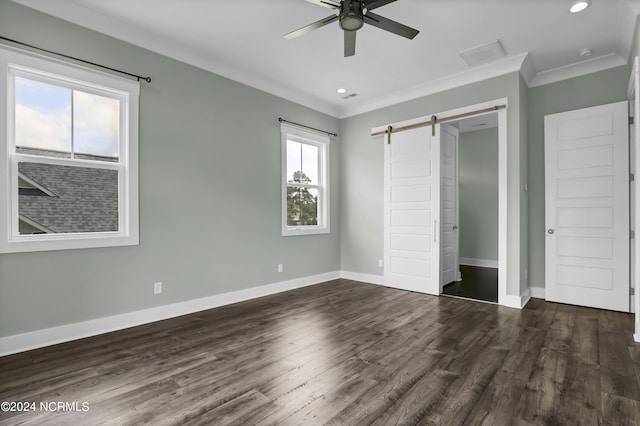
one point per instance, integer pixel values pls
(550, 231)
(435, 231)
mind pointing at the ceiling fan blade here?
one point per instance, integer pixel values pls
(374, 4)
(389, 25)
(349, 43)
(311, 27)
(324, 3)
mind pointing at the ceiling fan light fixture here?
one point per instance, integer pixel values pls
(579, 6)
(351, 21)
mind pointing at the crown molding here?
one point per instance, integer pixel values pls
(528, 71)
(578, 69)
(474, 75)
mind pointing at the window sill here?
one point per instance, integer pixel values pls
(43, 243)
(293, 231)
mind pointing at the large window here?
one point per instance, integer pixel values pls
(305, 182)
(71, 154)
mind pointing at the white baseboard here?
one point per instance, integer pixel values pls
(367, 278)
(636, 337)
(64, 333)
(517, 302)
(537, 292)
(485, 263)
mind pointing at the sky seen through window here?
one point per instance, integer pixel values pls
(51, 117)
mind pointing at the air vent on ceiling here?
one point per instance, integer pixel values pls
(483, 54)
(352, 95)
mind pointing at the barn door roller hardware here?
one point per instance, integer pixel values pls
(434, 120)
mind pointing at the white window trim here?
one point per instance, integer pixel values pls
(18, 61)
(322, 141)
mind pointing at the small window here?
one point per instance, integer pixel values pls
(71, 150)
(305, 188)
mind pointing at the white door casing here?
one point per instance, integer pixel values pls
(412, 211)
(633, 95)
(449, 205)
(632, 207)
(587, 207)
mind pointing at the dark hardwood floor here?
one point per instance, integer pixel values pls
(477, 283)
(343, 353)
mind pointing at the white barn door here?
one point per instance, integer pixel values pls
(412, 211)
(587, 207)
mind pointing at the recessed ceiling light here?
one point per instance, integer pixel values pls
(342, 90)
(579, 6)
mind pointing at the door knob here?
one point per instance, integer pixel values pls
(551, 231)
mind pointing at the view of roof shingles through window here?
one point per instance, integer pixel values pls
(84, 199)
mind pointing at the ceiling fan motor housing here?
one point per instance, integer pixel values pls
(351, 15)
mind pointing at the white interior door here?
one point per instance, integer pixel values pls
(587, 207)
(449, 204)
(412, 211)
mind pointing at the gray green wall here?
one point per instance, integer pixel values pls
(478, 194)
(209, 194)
(361, 171)
(580, 92)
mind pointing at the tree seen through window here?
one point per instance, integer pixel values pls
(302, 202)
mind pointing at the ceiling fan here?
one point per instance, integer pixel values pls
(353, 14)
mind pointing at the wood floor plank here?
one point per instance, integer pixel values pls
(461, 397)
(584, 342)
(501, 396)
(343, 353)
(634, 353)
(497, 402)
(232, 411)
(581, 394)
(542, 392)
(617, 371)
(560, 332)
(618, 410)
(400, 378)
(417, 400)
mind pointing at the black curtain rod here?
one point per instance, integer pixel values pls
(282, 120)
(139, 77)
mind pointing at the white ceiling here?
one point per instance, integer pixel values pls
(242, 40)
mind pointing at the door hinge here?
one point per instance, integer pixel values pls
(632, 177)
(632, 291)
(630, 120)
(632, 234)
